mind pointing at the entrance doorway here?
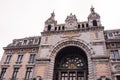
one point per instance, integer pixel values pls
(71, 64)
(118, 77)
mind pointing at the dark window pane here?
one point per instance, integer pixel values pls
(49, 27)
(94, 23)
(3, 73)
(28, 74)
(14, 75)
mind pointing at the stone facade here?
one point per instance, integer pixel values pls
(42, 57)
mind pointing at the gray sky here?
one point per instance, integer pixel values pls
(24, 18)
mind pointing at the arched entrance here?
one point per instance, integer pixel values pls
(71, 64)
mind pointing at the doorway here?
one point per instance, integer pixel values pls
(71, 64)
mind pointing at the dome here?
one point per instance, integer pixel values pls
(93, 15)
(51, 19)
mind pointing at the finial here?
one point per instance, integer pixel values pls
(52, 14)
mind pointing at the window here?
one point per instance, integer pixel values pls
(110, 35)
(80, 76)
(32, 58)
(118, 77)
(82, 25)
(72, 63)
(14, 75)
(114, 54)
(55, 28)
(59, 28)
(28, 74)
(49, 27)
(8, 58)
(24, 42)
(3, 73)
(36, 40)
(87, 25)
(64, 76)
(34, 50)
(19, 59)
(63, 28)
(112, 45)
(94, 23)
(10, 51)
(72, 76)
(79, 26)
(21, 51)
(71, 66)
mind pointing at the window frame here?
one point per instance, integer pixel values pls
(32, 58)
(3, 72)
(19, 59)
(114, 55)
(15, 73)
(8, 58)
(29, 71)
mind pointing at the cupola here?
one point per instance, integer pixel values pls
(50, 23)
(94, 18)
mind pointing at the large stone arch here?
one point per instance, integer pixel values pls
(73, 42)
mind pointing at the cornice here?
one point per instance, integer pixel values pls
(20, 47)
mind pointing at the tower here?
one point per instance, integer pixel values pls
(50, 23)
(94, 18)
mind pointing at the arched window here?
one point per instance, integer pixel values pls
(55, 28)
(49, 27)
(63, 27)
(78, 26)
(94, 23)
(71, 64)
(59, 28)
(87, 25)
(83, 26)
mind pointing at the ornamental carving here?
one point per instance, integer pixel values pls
(69, 35)
(71, 19)
(72, 43)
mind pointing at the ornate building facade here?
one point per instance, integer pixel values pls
(70, 51)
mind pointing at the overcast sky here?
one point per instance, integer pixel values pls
(24, 18)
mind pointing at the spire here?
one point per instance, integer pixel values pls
(52, 14)
(92, 9)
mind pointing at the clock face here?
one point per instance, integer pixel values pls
(72, 62)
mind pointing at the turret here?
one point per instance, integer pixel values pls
(50, 23)
(94, 18)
